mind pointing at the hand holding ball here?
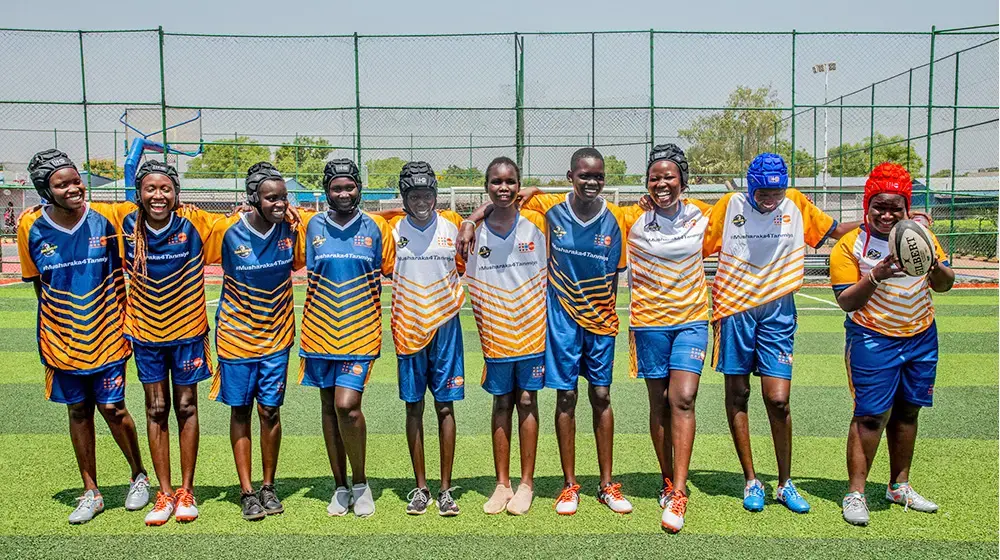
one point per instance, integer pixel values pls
(911, 245)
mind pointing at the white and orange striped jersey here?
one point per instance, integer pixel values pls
(506, 275)
(666, 271)
(900, 307)
(761, 256)
(426, 289)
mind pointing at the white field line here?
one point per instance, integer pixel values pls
(814, 298)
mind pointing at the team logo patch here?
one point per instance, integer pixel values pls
(698, 354)
(873, 254)
(193, 364)
(930, 390)
(445, 241)
(114, 382)
(98, 241)
(456, 382)
(48, 249)
(130, 239)
(178, 238)
(739, 220)
(526, 247)
(281, 387)
(558, 231)
(774, 179)
(785, 358)
(691, 223)
(783, 219)
(538, 372)
(602, 240)
(285, 243)
(242, 251)
(484, 251)
(318, 241)
(652, 226)
(362, 241)
(403, 242)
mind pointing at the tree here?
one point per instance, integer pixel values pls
(384, 173)
(455, 176)
(942, 173)
(104, 168)
(856, 156)
(304, 160)
(224, 159)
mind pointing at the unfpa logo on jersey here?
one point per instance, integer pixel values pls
(48, 249)
(445, 241)
(113, 383)
(362, 241)
(484, 252)
(873, 254)
(526, 247)
(352, 368)
(739, 220)
(191, 365)
(783, 219)
(318, 241)
(242, 251)
(98, 242)
(285, 243)
(602, 240)
(558, 231)
(456, 382)
(785, 358)
(698, 354)
(179, 238)
(538, 372)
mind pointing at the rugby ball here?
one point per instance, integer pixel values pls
(910, 243)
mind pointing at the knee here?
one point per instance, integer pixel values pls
(683, 401)
(600, 398)
(113, 413)
(739, 396)
(80, 412)
(503, 403)
(241, 414)
(566, 401)
(905, 413)
(185, 408)
(349, 411)
(415, 410)
(869, 423)
(526, 401)
(444, 410)
(778, 403)
(270, 415)
(157, 411)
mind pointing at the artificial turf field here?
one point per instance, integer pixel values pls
(955, 464)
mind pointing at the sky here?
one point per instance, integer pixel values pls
(463, 16)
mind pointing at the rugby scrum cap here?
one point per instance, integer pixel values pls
(256, 175)
(766, 171)
(152, 166)
(891, 178)
(672, 153)
(43, 165)
(416, 175)
(342, 167)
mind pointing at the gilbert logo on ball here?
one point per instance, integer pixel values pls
(910, 243)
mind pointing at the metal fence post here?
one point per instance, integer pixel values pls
(909, 111)
(954, 144)
(86, 130)
(652, 94)
(593, 89)
(519, 97)
(930, 124)
(793, 111)
(871, 144)
(357, 101)
(163, 94)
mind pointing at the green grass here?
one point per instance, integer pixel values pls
(956, 464)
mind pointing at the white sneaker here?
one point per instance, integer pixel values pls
(364, 503)
(611, 496)
(906, 496)
(568, 500)
(88, 505)
(187, 507)
(162, 510)
(673, 514)
(340, 502)
(138, 493)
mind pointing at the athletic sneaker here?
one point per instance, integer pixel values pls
(753, 496)
(904, 495)
(419, 498)
(568, 500)
(163, 508)
(789, 495)
(855, 508)
(138, 493)
(340, 502)
(521, 502)
(673, 515)
(364, 503)
(611, 496)
(666, 492)
(446, 504)
(187, 507)
(269, 500)
(88, 505)
(498, 501)
(252, 510)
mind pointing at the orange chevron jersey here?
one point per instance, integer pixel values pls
(82, 302)
(584, 261)
(342, 318)
(666, 271)
(506, 278)
(426, 288)
(761, 256)
(168, 307)
(256, 313)
(899, 307)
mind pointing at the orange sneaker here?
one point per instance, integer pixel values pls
(568, 500)
(673, 515)
(187, 507)
(162, 510)
(665, 492)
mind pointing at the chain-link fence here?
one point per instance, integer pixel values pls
(833, 104)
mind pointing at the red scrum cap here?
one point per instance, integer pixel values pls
(888, 178)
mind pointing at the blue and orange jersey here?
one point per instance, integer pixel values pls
(342, 318)
(666, 270)
(82, 303)
(166, 303)
(584, 261)
(899, 307)
(761, 256)
(426, 287)
(256, 313)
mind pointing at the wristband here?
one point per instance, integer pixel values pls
(468, 221)
(871, 278)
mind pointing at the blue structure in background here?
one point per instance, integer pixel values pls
(140, 145)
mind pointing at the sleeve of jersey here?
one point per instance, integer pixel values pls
(205, 222)
(388, 246)
(213, 243)
(115, 212)
(817, 224)
(939, 251)
(712, 242)
(630, 215)
(619, 215)
(299, 251)
(28, 269)
(452, 217)
(705, 207)
(543, 202)
(535, 218)
(844, 269)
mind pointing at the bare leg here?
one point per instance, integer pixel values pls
(527, 432)
(415, 440)
(239, 438)
(446, 438)
(353, 431)
(158, 431)
(331, 436)
(566, 433)
(122, 428)
(901, 434)
(270, 440)
(737, 395)
(81, 433)
(604, 429)
(780, 416)
(186, 411)
(863, 438)
(659, 425)
(501, 420)
(683, 392)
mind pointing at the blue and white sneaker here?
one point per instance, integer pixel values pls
(788, 495)
(753, 496)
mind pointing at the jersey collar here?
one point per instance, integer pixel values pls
(253, 230)
(170, 221)
(58, 227)
(604, 206)
(357, 216)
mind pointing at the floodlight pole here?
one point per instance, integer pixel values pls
(825, 68)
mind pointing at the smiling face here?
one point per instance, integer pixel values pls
(273, 200)
(768, 199)
(502, 185)
(67, 189)
(664, 183)
(587, 178)
(884, 211)
(158, 197)
(421, 202)
(343, 194)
